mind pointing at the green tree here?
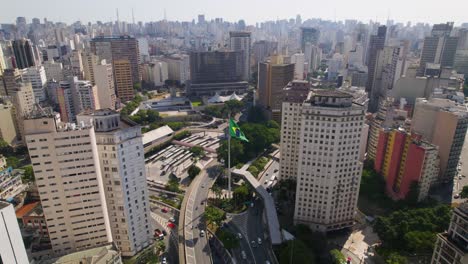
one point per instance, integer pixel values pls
(337, 257)
(137, 86)
(193, 171)
(395, 258)
(173, 185)
(214, 215)
(232, 106)
(197, 151)
(217, 191)
(28, 175)
(13, 162)
(160, 247)
(241, 194)
(295, 251)
(229, 240)
(464, 192)
(256, 115)
(420, 242)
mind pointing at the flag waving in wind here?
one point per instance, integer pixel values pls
(235, 131)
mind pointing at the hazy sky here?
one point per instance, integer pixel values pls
(431, 11)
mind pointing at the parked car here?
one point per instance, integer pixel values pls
(164, 210)
(244, 256)
(254, 245)
(239, 235)
(259, 241)
(456, 196)
(202, 233)
(172, 220)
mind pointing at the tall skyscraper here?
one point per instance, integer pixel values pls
(122, 52)
(328, 167)
(376, 43)
(37, 77)
(24, 53)
(439, 48)
(385, 72)
(214, 72)
(443, 123)
(104, 80)
(120, 147)
(65, 101)
(298, 59)
(240, 41)
(68, 176)
(53, 70)
(273, 76)
(9, 81)
(23, 102)
(12, 248)
(7, 126)
(85, 96)
(309, 35)
(451, 246)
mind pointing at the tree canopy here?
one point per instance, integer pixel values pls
(337, 257)
(193, 171)
(295, 251)
(464, 192)
(131, 106)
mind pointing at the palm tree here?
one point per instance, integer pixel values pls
(160, 247)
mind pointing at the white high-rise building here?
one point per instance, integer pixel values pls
(12, 248)
(178, 67)
(37, 77)
(103, 78)
(320, 144)
(66, 165)
(240, 41)
(155, 72)
(121, 154)
(85, 96)
(298, 59)
(53, 70)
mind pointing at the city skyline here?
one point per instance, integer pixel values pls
(251, 12)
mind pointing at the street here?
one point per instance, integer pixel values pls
(160, 221)
(197, 249)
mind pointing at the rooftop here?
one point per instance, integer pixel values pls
(156, 134)
(26, 209)
(98, 255)
(4, 204)
(330, 93)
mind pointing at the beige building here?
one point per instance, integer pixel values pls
(273, 76)
(443, 123)
(325, 135)
(89, 61)
(104, 80)
(9, 81)
(120, 147)
(123, 80)
(66, 165)
(7, 123)
(451, 247)
(23, 102)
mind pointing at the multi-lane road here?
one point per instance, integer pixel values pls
(197, 249)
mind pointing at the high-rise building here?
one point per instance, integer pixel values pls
(273, 76)
(89, 61)
(404, 160)
(9, 81)
(123, 80)
(214, 72)
(120, 147)
(240, 41)
(65, 101)
(12, 248)
(122, 52)
(53, 70)
(104, 80)
(85, 96)
(23, 102)
(66, 165)
(24, 53)
(328, 167)
(439, 48)
(37, 77)
(385, 72)
(76, 64)
(155, 72)
(376, 43)
(7, 126)
(313, 56)
(298, 59)
(262, 50)
(451, 247)
(178, 67)
(309, 35)
(443, 123)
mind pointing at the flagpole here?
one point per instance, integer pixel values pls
(229, 157)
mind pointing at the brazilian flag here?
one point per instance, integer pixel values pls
(235, 131)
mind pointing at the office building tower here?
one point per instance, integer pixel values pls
(85, 96)
(37, 77)
(263, 49)
(273, 76)
(7, 125)
(214, 72)
(403, 160)
(12, 248)
(298, 59)
(439, 48)
(443, 123)
(201, 19)
(9, 81)
(76, 64)
(89, 61)
(240, 41)
(123, 80)
(23, 102)
(122, 52)
(313, 57)
(104, 80)
(328, 160)
(376, 43)
(120, 147)
(309, 35)
(3, 65)
(65, 101)
(24, 53)
(155, 72)
(66, 165)
(53, 70)
(451, 247)
(178, 67)
(294, 95)
(384, 75)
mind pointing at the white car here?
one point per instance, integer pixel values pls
(259, 241)
(239, 235)
(456, 196)
(164, 260)
(244, 256)
(202, 233)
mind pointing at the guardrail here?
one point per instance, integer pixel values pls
(219, 247)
